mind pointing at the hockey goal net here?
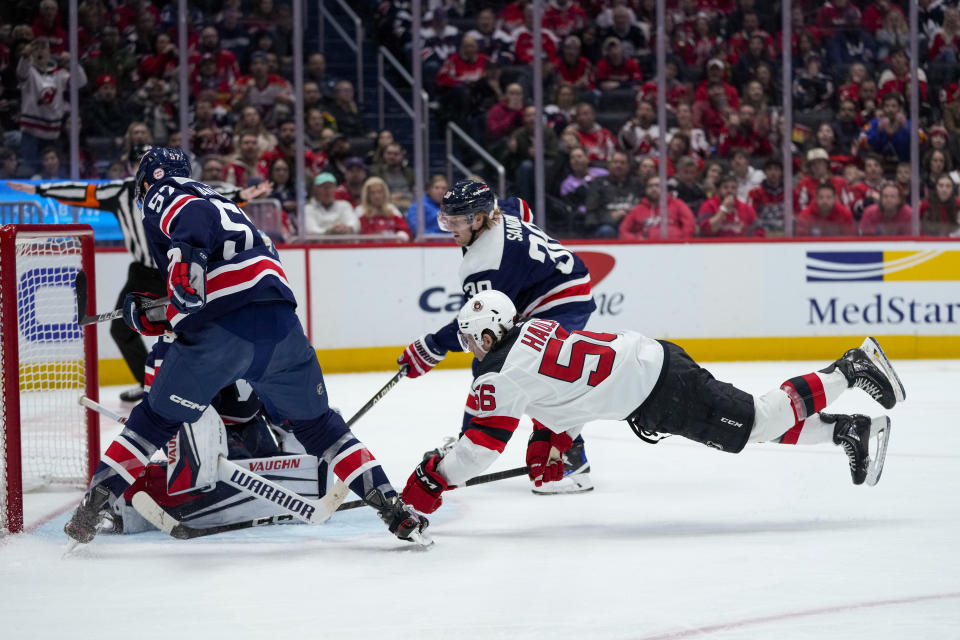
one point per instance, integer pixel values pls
(47, 362)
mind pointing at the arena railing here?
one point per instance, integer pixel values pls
(454, 161)
(356, 45)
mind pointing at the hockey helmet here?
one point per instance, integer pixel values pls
(488, 310)
(159, 163)
(466, 198)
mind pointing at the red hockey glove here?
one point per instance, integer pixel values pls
(543, 466)
(187, 277)
(421, 355)
(425, 487)
(148, 322)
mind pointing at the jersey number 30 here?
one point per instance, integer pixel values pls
(582, 344)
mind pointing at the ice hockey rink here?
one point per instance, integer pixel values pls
(677, 541)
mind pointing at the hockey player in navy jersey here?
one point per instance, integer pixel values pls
(504, 250)
(232, 310)
(560, 379)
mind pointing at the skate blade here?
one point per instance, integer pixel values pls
(420, 538)
(569, 484)
(70, 548)
(873, 349)
(879, 437)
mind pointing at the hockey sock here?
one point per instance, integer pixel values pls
(128, 454)
(813, 430)
(782, 412)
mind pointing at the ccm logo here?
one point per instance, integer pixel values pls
(189, 404)
(733, 422)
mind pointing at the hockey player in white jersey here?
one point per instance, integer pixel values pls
(505, 251)
(562, 379)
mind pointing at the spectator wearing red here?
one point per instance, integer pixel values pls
(711, 113)
(287, 149)
(875, 12)
(850, 90)
(744, 132)
(49, 25)
(678, 92)
(724, 216)
(355, 174)
(818, 173)
(512, 16)
(896, 77)
(889, 217)
(162, 63)
(640, 135)
(262, 89)
(564, 17)
(946, 43)
(243, 166)
(739, 42)
(598, 142)
(227, 68)
(767, 198)
(685, 18)
(940, 213)
(716, 70)
(867, 192)
(464, 67)
(523, 42)
(826, 216)
(205, 77)
(377, 213)
(831, 15)
(506, 115)
(572, 67)
(643, 222)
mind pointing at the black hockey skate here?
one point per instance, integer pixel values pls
(865, 442)
(86, 521)
(399, 518)
(868, 368)
(576, 474)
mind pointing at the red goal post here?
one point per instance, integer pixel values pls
(47, 362)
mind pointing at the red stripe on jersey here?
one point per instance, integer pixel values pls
(125, 458)
(352, 462)
(792, 434)
(167, 218)
(245, 275)
(497, 422)
(577, 290)
(482, 439)
(473, 402)
(526, 214)
(816, 388)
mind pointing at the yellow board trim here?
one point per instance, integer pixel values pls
(115, 372)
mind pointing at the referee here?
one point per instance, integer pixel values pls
(116, 197)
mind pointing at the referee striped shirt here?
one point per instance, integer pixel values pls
(116, 197)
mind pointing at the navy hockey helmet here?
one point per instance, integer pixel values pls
(466, 198)
(159, 163)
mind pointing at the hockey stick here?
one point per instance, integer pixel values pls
(83, 319)
(249, 482)
(155, 514)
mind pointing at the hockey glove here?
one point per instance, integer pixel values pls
(421, 355)
(145, 321)
(425, 487)
(545, 467)
(187, 277)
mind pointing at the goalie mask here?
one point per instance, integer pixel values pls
(487, 312)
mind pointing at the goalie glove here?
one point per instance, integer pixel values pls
(425, 487)
(187, 277)
(421, 355)
(545, 451)
(145, 321)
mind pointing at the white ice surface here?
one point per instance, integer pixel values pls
(677, 541)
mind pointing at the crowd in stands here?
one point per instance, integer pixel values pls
(850, 141)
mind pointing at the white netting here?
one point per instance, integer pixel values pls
(53, 433)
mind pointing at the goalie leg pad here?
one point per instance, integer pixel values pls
(192, 453)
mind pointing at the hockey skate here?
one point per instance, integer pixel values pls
(576, 474)
(399, 518)
(868, 368)
(865, 442)
(88, 518)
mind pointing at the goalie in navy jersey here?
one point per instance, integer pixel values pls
(233, 313)
(563, 378)
(504, 250)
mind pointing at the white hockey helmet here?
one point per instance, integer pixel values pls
(489, 310)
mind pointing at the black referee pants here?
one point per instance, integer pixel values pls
(141, 279)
